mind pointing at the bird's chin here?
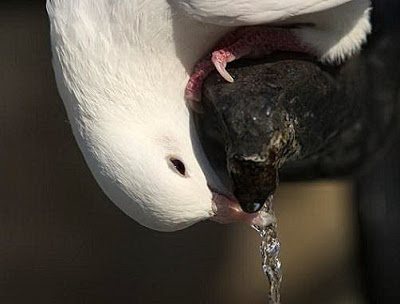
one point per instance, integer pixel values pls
(227, 210)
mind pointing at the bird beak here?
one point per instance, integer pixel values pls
(228, 210)
(254, 182)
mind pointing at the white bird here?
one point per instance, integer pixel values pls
(121, 69)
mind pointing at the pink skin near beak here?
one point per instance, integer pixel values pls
(229, 211)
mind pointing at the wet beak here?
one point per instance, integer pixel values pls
(253, 183)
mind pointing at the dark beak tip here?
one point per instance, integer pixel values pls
(251, 207)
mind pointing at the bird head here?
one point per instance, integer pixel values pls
(119, 73)
(156, 171)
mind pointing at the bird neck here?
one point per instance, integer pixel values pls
(339, 32)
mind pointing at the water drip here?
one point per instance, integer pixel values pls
(269, 250)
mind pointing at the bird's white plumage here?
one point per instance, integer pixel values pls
(251, 12)
(121, 69)
(122, 85)
(340, 27)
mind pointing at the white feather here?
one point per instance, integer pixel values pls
(122, 85)
(340, 26)
(252, 12)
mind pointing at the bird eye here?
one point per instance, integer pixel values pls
(178, 166)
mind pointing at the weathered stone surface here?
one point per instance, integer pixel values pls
(299, 117)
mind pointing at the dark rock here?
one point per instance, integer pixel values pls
(297, 115)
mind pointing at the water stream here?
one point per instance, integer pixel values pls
(269, 249)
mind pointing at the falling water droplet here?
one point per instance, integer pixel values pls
(269, 249)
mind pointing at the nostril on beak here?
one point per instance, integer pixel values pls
(252, 207)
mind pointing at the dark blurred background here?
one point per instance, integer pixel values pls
(63, 241)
